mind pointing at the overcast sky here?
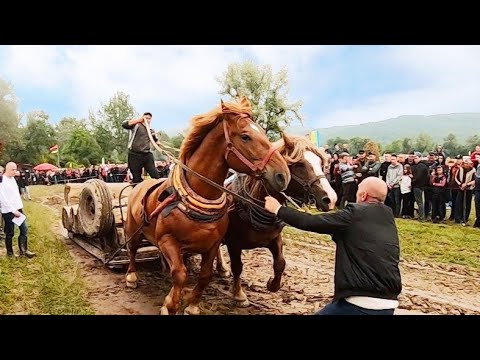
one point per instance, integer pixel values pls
(338, 85)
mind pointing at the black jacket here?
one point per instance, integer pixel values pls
(421, 175)
(368, 250)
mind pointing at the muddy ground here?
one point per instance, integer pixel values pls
(307, 283)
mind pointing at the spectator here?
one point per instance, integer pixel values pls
(371, 166)
(438, 181)
(419, 182)
(394, 176)
(474, 154)
(12, 207)
(348, 179)
(406, 192)
(465, 178)
(477, 193)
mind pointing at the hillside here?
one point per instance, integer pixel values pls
(462, 125)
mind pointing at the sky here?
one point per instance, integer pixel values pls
(338, 84)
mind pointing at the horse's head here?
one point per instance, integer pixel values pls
(306, 163)
(248, 149)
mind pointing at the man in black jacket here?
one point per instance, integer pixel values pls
(139, 154)
(367, 275)
(420, 181)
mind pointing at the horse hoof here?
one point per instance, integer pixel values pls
(132, 285)
(132, 280)
(273, 287)
(192, 310)
(242, 303)
(224, 274)
(164, 311)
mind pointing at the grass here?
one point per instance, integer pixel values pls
(51, 282)
(450, 243)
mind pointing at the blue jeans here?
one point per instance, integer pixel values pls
(10, 230)
(343, 307)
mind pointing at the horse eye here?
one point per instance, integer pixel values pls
(245, 137)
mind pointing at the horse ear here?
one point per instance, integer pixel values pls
(222, 105)
(288, 142)
(245, 102)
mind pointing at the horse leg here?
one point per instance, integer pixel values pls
(221, 268)
(236, 264)
(170, 250)
(276, 248)
(204, 278)
(131, 276)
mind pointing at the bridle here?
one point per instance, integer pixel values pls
(257, 167)
(307, 186)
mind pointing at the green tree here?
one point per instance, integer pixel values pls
(82, 148)
(65, 128)
(406, 145)
(395, 146)
(450, 145)
(424, 143)
(267, 92)
(107, 125)
(10, 135)
(356, 144)
(39, 135)
(471, 142)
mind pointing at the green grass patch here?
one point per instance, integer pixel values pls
(51, 282)
(449, 243)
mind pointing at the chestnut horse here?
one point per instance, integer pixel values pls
(196, 219)
(251, 228)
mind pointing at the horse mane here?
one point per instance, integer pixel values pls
(200, 125)
(300, 145)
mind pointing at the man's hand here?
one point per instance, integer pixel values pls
(272, 205)
(17, 213)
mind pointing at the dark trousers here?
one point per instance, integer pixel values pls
(463, 205)
(407, 204)
(454, 194)
(138, 161)
(418, 193)
(477, 208)
(343, 307)
(395, 204)
(349, 192)
(428, 200)
(10, 231)
(438, 205)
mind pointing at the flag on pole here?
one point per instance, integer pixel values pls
(54, 149)
(315, 137)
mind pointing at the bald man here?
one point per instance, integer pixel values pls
(12, 207)
(367, 276)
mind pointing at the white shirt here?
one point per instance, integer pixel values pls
(405, 184)
(10, 195)
(372, 303)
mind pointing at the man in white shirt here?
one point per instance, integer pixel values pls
(12, 207)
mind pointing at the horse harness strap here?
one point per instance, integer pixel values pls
(255, 167)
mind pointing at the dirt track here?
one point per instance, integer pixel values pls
(307, 284)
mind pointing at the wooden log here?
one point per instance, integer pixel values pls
(72, 192)
(117, 214)
(67, 219)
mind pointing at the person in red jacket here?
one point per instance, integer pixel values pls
(473, 154)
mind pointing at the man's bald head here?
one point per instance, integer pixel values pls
(10, 169)
(372, 189)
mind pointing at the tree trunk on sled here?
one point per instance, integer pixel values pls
(67, 218)
(72, 191)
